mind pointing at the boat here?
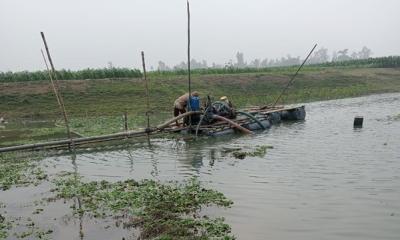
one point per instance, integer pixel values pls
(216, 122)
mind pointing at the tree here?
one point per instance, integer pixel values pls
(342, 55)
(240, 60)
(354, 55)
(364, 53)
(334, 56)
(255, 63)
(264, 63)
(319, 56)
(162, 66)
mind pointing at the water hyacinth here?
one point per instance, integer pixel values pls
(163, 211)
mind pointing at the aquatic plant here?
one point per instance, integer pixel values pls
(259, 151)
(18, 170)
(162, 211)
(26, 228)
(4, 227)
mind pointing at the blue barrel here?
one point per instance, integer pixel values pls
(195, 103)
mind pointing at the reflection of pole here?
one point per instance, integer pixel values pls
(77, 202)
(130, 157)
(56, 87)
(147, 97)
(154, 163)
(188, 55)
(294, 76)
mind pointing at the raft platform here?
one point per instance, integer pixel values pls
(253, 119)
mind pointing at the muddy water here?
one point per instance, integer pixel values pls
(323, 179)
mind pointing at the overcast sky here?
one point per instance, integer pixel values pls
(90, 33)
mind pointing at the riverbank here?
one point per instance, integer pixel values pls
(97, 106)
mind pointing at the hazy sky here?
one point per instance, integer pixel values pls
(90, 33)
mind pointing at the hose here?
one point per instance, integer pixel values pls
(166, 124)
(252, 117)
(244, 130)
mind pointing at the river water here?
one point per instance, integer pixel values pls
(323, 179)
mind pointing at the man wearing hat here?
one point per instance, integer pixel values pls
(226, 100)
(227, 111)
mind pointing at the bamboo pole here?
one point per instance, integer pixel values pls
(294, 76)
(147, 97)
(125, 121)
(52, 82)
(57, 89)
(147, 91)
(94, 139)
(188, 56)
(76, 141)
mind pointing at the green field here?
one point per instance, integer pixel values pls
(97, 106)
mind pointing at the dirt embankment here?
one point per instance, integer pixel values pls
(104, 97)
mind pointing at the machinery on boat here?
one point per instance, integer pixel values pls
(219, 118)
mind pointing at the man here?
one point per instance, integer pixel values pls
(227, 111)
(181, 103)
(226, 100)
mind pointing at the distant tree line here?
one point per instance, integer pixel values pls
(318, 57)
(381, 62)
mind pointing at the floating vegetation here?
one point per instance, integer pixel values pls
(19, 171)
(27, 228)
(259, 151)
(162, 211)
(391, 118)
(4, 227)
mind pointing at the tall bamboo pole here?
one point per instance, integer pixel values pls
(57, 88)
(147, 98)
(52, 82)
(293, 77)
(147, 91)
(188, 56)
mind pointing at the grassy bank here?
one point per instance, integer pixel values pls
(96, 106)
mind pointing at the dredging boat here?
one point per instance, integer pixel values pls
(256, 120)
(219, 118)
